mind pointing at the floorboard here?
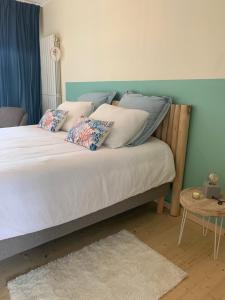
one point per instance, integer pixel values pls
(206, 277)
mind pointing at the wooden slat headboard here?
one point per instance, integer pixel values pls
(174, 131)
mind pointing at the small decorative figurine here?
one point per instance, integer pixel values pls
(213, 178)
(196, 195)
(211, 187)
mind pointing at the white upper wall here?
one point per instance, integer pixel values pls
(138, 39)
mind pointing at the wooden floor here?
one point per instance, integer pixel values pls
(206, 278)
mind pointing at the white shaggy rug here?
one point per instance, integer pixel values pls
(119, 267)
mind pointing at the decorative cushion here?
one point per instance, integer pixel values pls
(157, 108)
(127, 123)
(98, 98)
(75, 111)
(89, 133)
(53, 119)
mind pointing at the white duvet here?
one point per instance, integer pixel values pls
(45, 181)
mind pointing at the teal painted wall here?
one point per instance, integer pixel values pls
(206, 147)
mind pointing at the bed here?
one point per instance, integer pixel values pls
(50, 188)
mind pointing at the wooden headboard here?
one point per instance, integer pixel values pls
(174, 131)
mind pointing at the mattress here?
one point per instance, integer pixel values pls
(45, 181)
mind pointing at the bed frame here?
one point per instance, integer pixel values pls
(173, 131)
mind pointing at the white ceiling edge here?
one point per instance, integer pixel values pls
(36, 2)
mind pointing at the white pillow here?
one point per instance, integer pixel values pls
(75, 111)
(127, 123)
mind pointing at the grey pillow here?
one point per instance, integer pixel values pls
(98, 98)
(157, 108)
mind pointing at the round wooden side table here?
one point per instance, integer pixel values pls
(207, 209)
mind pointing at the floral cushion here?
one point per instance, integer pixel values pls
(53, 119)
(89, 133)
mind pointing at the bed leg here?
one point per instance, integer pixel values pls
(160, 205)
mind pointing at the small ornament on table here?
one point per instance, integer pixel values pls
(196, 195)
(211, 187)
(213, 179)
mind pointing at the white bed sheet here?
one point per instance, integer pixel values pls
(45, 181)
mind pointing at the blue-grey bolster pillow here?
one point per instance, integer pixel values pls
(155, 105)
(98, 98)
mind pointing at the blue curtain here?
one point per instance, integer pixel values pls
(20, 82)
